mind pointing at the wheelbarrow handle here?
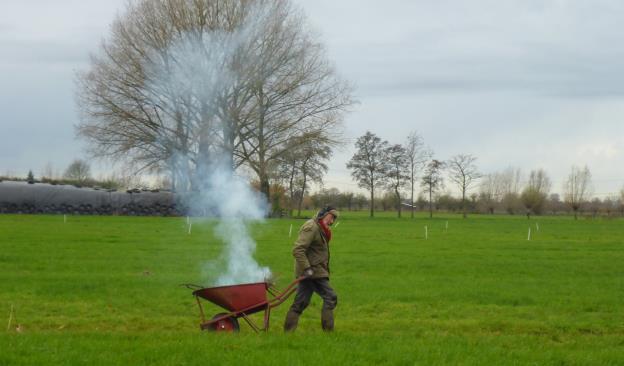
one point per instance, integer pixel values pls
(299, 279)
(285, 293)
(191, 286)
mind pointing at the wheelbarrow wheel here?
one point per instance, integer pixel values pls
(229, 324)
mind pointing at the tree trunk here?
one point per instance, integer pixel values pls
(265, 187)
(291, 186)
(372, 203)
(398, 197)
(305, 179)
(262, 163)
(464, 201)
(430, 203)
(202, 169)
(412, 199)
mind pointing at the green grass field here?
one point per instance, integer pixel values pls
(105, 291)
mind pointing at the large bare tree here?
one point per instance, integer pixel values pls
(296, 95)
(463, 172)
(417, 157)
(369, 166)
(398, 172)
(183, 85)
(577, 188)
(432, 180)
(302, 165)
(150, 96)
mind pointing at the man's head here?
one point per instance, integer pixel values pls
(328, 214)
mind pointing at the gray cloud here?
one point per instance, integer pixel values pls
(524, 83)
(554, 48)
(42, 52)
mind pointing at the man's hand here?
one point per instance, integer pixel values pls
(308, 272)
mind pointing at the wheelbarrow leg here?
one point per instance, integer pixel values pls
(267, 314)
(201, 310)
(251, 324)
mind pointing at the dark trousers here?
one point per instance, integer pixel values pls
(307, 287)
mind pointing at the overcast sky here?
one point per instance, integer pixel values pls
(528, 84)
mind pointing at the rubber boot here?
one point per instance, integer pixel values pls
(327, 320)
(292, 319)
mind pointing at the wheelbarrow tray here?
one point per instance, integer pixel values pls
(242, 300)
(248, 297)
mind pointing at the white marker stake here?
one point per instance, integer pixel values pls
(447, 225)
(529, 236)
(10, 319)
(190, 227)
(290, 231)
(426, 233)
(64, 219)
(537, 226)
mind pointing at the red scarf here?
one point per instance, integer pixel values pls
(326, 231)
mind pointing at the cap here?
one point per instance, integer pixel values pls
(327, 210)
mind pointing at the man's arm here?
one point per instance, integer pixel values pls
(306, 235)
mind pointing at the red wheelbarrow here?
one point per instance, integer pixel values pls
(240, 301)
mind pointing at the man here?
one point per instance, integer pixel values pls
(311, 254)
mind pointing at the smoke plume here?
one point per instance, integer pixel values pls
(188, 80)
(230, 199)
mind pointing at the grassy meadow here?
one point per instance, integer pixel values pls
(105, 291)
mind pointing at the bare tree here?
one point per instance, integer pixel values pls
(509, 188)
(622, 201)
(554, 204)
(180, 86)
(417, 157)
(535, 193)
(490, 192)
(463, 172)
(78, 170)
(296, 98)
(360, 201)
(347, 199)
(432, 180)
(398, 172)
(288, 172)
(577, 188)
(48, 172)
(368, 165)
(510, 180)
(313, 167)
(609, 204)
(300, 166)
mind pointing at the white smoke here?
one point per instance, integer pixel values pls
(185, 80)
(236, 205)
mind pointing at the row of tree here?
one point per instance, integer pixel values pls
(78, 171)
(503, 189)
(475, 203)
(378, 164)
(398, 168)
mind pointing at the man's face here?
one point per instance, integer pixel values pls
(329, 219)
